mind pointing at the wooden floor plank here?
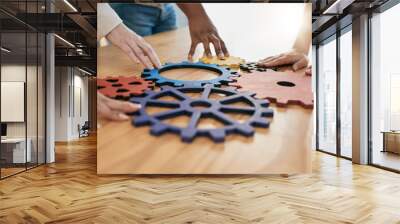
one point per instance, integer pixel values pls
(69, 191)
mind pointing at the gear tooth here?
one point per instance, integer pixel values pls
(187, 135)
(263, 123)
(158, 129)
(136, 99)
(245, 130)
(252, 94)
(150, 78)
(218, 135)
(282, 102)
(267, 112)
(230, 88)
(226, 80)
(136, 113)
(263, 102)
(159, 82)
(237, 88)
(247, 93)
(145, 75)
(141, 120)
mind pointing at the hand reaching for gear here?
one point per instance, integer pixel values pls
(114, 109)
(296, 59)
(134, 46)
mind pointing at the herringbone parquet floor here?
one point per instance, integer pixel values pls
(69, 191)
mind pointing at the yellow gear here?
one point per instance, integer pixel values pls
(231, 61)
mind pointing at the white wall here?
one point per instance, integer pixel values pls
(12, 73)
(71, 94)
(282, 22)
(61, 103)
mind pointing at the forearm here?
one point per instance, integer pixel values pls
(192, 10)
(108, 19)
(303, 40)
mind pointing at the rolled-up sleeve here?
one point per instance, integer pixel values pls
(107, 20)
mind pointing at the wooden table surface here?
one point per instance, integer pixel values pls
(283, 148)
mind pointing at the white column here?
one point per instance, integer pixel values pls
(50, 99)
(360, 90)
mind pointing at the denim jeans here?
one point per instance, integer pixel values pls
(146, 20)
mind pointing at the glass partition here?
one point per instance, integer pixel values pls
(346, 93)
(327, 96)
(23, 91)
(14, 153)
(385, 89)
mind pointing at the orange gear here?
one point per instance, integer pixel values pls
(283, 88)
(123, 86)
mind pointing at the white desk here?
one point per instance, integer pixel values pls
(18, 150)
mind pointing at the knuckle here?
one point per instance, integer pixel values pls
(147, 47)
(140, 54)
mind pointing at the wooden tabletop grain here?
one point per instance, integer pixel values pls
(283, 148)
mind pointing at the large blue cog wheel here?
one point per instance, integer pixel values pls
(224, 77)
(258, 110)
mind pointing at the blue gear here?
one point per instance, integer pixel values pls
(214, 108)
(223, 78)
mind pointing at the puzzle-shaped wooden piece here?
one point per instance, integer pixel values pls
(123, 87)
(283, 88)
(231, 61)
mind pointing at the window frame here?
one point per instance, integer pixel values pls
(334, 37)
(378, 10)
(29, 29)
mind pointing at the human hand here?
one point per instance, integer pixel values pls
(203, 31)
(134, 46)
(309, 70)
(296, 59)
(114, 109)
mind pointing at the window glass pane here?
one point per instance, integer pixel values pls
(22, 88)
(346, 94)
(386, 89)
(327, 97)
(14, 153)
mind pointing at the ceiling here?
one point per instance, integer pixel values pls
(332, 15)
(74, 22)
